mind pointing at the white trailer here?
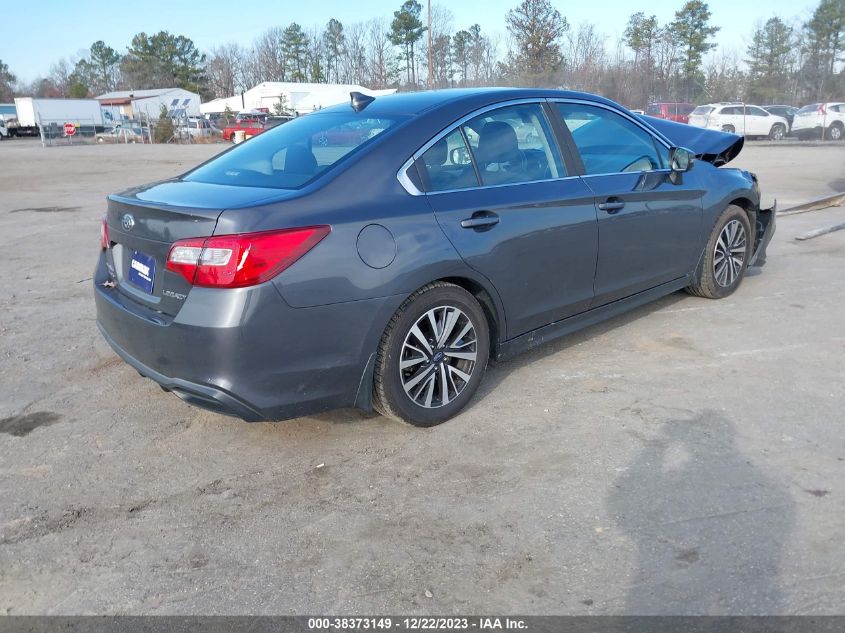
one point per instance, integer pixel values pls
(33, 114)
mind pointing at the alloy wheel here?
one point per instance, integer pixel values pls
(438, 357)
(729, 254)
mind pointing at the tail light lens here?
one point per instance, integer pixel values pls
(235, 261)
(104, 233)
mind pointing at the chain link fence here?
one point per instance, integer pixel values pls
(143, 130)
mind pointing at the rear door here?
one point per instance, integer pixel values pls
(649, 222)
(503, 196)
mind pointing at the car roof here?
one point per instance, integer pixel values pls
(415, 103)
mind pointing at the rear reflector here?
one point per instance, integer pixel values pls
(235, 261)
(104, 233)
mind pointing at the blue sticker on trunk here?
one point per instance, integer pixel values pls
(142, 271)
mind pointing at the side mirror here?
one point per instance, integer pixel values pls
(680, 159)
(459, 156)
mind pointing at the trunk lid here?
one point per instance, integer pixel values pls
(144, 222)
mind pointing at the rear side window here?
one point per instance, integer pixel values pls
(289, 156)
(448, 164)
(608, 142)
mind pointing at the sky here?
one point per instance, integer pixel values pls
(30, 51)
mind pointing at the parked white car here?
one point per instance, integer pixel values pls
(813, 119)
(4, 133)
(739, 118)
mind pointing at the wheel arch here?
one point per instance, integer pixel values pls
(490, 302)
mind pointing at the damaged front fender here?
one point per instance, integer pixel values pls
(764, 231)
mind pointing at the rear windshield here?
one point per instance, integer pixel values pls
(289, 156)
(703, 110)
(813, 107)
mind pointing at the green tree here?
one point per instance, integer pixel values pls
(769, 59)
(825, 44)
(164, 60)
(641, 35)
(334, 42)
(461, 53)
(536, 27)
(406, 30)
(164, 129)
(7, 82)
(77, 89)
(295, 52)
(280, 108)
(692, 32)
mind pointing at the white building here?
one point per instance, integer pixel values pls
(129, 104)
(300, 98)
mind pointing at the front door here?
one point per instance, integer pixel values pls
(649, 220)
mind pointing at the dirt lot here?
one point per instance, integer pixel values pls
(685, 458)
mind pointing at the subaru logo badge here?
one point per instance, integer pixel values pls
(128, 222)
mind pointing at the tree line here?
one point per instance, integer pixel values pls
(784, 62)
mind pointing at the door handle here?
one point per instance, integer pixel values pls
(612, 205)
(481, 220)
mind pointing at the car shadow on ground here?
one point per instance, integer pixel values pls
(708, 527)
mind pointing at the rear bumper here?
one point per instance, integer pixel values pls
(204, 396)
(245, 352)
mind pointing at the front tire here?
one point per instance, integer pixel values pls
(432, 356)
(726, 256)
(777, 132)
(834, 132)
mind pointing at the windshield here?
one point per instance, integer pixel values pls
(289, 156)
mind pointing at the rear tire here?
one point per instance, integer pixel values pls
(726, 256)
(432, 356)
(835, 132)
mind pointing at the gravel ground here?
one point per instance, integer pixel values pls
(685, 458)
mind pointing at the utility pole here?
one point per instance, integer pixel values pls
(430, 69)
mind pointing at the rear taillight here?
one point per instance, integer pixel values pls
(104, 233)
(235, 261)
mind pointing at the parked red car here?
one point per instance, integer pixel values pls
(250, 128)
(671, 111)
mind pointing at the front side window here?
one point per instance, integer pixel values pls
(608, 142)
(513, 145)
(289, 156)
